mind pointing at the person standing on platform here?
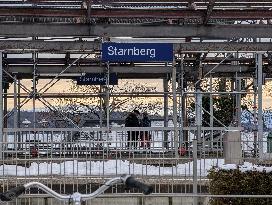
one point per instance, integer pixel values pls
(132, 121)
(145, 135)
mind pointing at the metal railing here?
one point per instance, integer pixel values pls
(69, 159)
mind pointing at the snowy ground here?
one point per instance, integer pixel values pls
(245, 167)
(107, 168)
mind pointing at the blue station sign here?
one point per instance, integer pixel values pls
(97, 79)
(137, 52)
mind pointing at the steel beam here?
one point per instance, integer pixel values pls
(229, 47)
(117, 30)
(17, 46)
(180, 1)
(48, 46)
(234, 14)
(92, 61)
(42, 12)
(51, 70)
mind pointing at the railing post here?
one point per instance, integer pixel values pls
(195, 171)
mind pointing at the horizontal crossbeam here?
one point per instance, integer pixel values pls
(47, 71)
(235, 14)
(117, 30)
(18, 46)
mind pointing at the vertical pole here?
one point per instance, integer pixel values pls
(15, 113)
(101, 90)
(5, 106)
(198, 104)
(101, 106)
(108, 103)
(255, 132)
(238, 100)
(198, 112)
(165, 113)
(211, 111)
(1, 105)
(185, 120)
(232, 89)
(174, 90)
(19, 114)
(19, 102)
(34, 91)
(198, 107)
(195, 171)
(259, 61)
(181, 104)
(108, 96)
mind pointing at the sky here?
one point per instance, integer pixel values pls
(64, 85)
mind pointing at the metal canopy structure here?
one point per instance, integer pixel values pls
(44, 39)
(78, 26)
(220, 37)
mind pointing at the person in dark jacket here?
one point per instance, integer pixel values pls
(132, 121)
(145, 135)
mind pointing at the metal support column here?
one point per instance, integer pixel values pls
(185, 120)
(195, 202)
(1, 105)
(101, 106)
(165, 113)
(238, 101)
(19, 114)
(107, 103)
(255, 117)
(5, 107)
(19, 104)
(181, 104)
(101, 115)
(198, 112)
(259, 62)
(211, 110)
(175, 122)
(108, 95)
(34, 89)
(15, 113)
(198, 104)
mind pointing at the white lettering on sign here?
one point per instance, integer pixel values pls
(113, 51)
(92, 79)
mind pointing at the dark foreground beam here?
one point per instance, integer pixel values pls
(117, 30)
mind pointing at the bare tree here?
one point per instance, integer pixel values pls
(125, 97)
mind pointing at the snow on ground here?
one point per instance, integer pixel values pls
(106, 168)
(247, 166)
